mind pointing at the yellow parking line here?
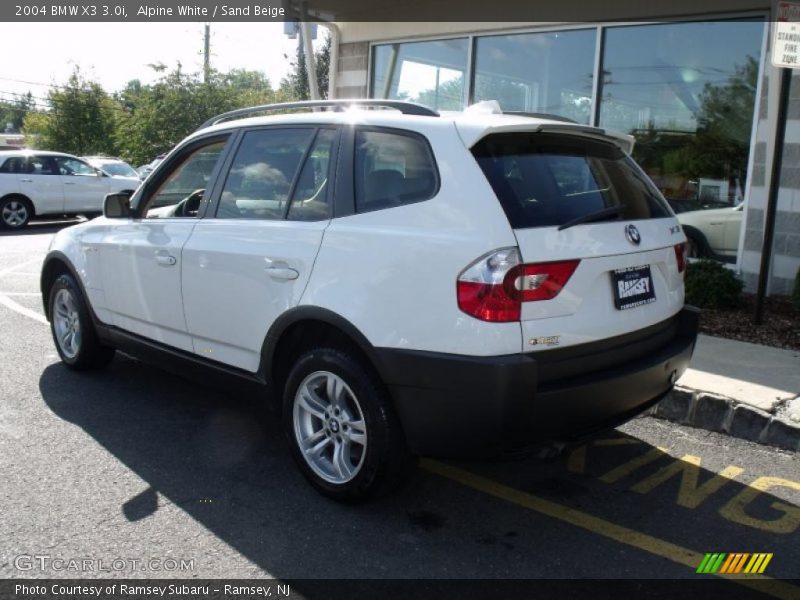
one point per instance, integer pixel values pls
(624, 535)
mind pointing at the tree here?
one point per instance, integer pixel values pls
(323, 65)
(295, 85)
(14, 112)
(160, 115)
(81, 119)
(721, 146)
(448, 96)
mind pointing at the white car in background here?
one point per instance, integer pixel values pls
(36, 183)
(713, 233)
(145, 170)
(112, 166)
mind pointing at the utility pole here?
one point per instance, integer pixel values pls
(207, 53)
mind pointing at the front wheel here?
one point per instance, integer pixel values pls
(341, 426)
(72, 328)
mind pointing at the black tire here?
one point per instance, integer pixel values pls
(89, 353)
(386, 461)
(15, 212)
(696, 246)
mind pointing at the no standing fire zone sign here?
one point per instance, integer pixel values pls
(786, 41)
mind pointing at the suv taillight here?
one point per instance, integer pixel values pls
(494, 287)
(680, 255)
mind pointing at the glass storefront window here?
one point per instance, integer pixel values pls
(431, 73)
(687, 92)
(548, 72)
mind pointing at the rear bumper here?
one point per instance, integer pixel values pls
(453, 405)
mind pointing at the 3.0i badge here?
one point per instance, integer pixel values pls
(550, 340)
(633, 235)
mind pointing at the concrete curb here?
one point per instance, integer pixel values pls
(718, 413)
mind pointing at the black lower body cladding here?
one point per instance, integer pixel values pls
(453, 405)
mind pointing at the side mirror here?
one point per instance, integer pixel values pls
(117, 205)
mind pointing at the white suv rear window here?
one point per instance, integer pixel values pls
(546, 180)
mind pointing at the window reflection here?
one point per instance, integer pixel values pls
(686, 91)
(431, 73)
(538, 72)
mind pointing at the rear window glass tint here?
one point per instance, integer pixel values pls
(392, 169)
(546, 180)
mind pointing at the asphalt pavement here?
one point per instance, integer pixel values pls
(181, 480)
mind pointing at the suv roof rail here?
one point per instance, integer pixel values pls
(538, 115)
(407, 108)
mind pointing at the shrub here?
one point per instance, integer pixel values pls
(709, 284)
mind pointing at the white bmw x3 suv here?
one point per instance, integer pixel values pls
(397, 281)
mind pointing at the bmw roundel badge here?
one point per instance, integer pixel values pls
(633, 235)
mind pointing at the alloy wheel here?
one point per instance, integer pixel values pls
(14, 213)
(67, 324)
(329, 427)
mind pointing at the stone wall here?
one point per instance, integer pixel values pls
(351, 79)
(786, 248)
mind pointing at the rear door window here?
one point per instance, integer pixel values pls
(546, 180)
(392, 168)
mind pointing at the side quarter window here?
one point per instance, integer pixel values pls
(392, 168)
(13, 164)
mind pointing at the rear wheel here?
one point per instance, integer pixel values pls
(341, 426)
(72, 328)
(15, 212)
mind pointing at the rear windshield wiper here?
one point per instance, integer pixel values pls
(600, 215)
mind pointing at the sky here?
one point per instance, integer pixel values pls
(114, 53)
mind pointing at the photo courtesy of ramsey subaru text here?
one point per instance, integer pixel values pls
(396, 281)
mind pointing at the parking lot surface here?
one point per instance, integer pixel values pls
(134, 463)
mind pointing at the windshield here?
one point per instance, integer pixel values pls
(546, 180)
(117, 168)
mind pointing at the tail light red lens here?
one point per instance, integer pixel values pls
(494, 287)
(487, 302)
(680, 256)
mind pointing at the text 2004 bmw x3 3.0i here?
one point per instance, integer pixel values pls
(400, 282)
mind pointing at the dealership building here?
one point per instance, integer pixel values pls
(692, 82)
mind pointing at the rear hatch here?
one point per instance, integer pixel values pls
(579, 202)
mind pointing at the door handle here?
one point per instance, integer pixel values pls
(286, 273)
(166, 260)
(26, 180)
(69, 183)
